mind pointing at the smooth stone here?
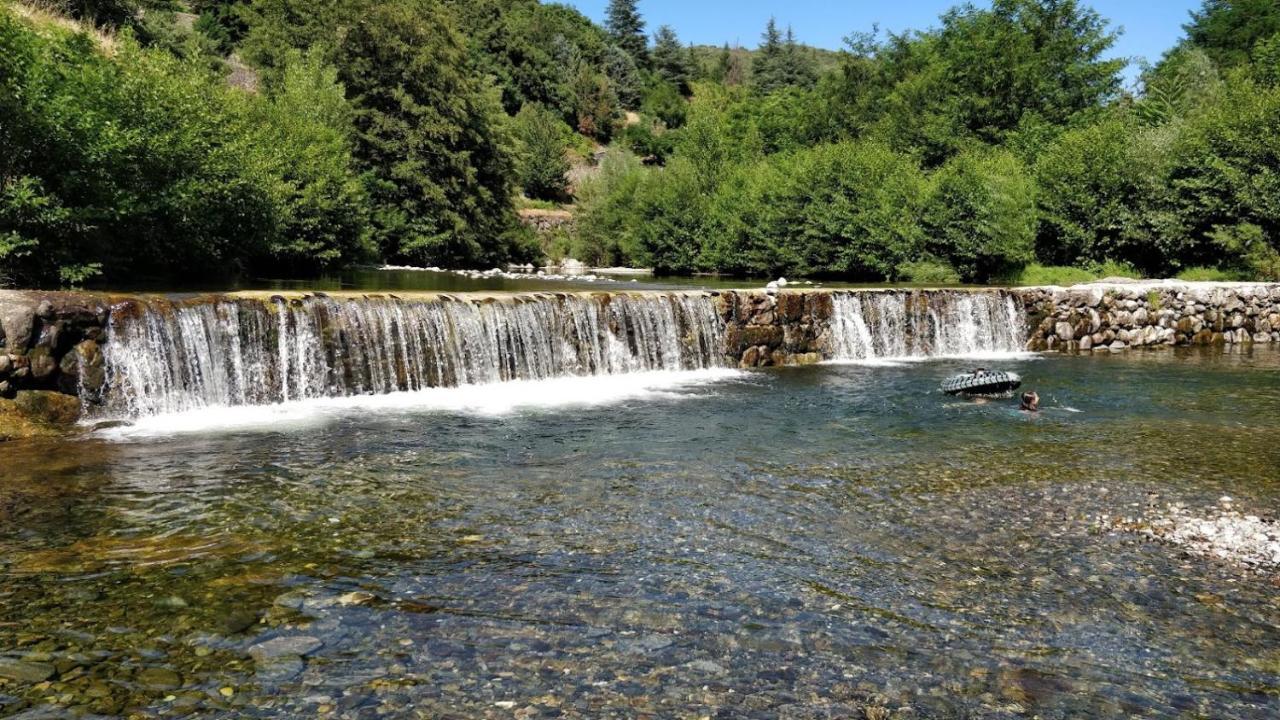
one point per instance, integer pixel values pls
(159, 679)
(237, 621)
(23, 671)
(279, 669)
(300, 645)
(18, 323)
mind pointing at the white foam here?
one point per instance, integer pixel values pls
(994, 356)
(490, 399)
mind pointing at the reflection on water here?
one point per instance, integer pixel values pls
(824, 542)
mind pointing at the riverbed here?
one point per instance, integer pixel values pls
(832, 541)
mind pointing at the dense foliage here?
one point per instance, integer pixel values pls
(286, 136)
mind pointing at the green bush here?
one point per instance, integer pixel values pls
(141, 164)
(1037, 274)
(1112, 268)
(928, 272)
(543, 159)
(981, 215)
(135, 164)
(607, 211)
(1226, 172)
(1207, 274)
(847, 209)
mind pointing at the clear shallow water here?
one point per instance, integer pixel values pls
(796, 543)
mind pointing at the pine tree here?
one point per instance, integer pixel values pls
(429, 133)
(767, 66)
(723, 64)
(671, 60)
(623, 74)
(626, 27)
(797, 65)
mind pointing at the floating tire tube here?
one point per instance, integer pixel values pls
(986, 382)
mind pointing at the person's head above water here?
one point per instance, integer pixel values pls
(1030, 401)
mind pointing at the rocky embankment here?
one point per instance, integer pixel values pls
(50, 356)
(1117, 316)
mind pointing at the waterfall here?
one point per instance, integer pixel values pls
(924, 323)
(164, 357)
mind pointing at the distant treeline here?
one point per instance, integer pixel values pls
(215, 137)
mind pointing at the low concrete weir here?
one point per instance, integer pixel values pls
(131, 356)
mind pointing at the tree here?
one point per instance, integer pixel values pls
(1104, 196)
(1184, 81)
(624, 76)
(671, 59)
(596, 104)
(798, 69)
(844, 209)
(543, 165)
(1039, 60)
(781, 62)
(626, 27)
(305, 133)
(1228, 29)
(981, 215)
(1226, 167)
(766, 66)
(427, 131)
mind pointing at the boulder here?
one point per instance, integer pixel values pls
(1064, 331)
(791, 306)
(43, 364)
(768, 335)
(37, 413)
(18, 322)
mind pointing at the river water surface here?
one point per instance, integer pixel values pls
(832, 541)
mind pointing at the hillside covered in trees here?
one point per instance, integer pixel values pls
(210, 138)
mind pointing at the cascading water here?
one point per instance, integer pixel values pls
(924, 323)
(171, 357)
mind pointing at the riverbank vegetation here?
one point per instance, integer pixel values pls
(209, 138)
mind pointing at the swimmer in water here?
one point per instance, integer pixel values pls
(1030, 402)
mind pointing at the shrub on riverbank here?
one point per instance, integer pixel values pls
(136, 163)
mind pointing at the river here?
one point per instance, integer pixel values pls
(802, 543)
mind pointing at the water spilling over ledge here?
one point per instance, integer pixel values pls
(130, 356)
(896, 325)
(165, 357)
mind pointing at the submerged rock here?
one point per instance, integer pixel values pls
(37, 413)
(25, 672)
(299, 645)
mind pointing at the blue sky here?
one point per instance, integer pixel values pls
(1150, 26)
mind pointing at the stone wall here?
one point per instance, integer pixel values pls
(50, 341)
(50, 358)
(1117, 316)
(787, 328)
